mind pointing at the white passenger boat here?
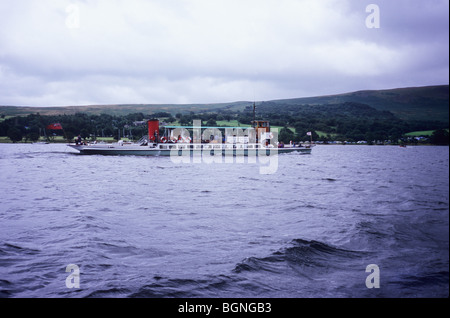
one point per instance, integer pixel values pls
(258, 140)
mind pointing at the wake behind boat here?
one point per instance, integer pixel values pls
(258, 140)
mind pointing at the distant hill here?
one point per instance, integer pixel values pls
(412, 103)
(118, 109)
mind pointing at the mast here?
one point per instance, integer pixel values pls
(254, 114)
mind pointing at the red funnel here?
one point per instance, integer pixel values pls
(153, 130)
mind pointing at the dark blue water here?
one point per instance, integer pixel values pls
(149, 227)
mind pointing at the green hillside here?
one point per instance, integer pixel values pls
(118, 109)
(413, 103)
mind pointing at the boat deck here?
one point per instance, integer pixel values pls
(168, 149)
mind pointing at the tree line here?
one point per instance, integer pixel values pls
(347, 121)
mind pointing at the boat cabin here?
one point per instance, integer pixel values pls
(260, 130)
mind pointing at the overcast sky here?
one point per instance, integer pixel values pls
(58, 52)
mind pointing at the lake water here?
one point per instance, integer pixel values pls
(150, 227)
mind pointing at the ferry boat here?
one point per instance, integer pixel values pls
(258, 140)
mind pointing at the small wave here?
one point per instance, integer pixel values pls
(170, 288)
(8, 248)
(302, 253)
(208, 286)
(435, 283)
(5, 288)
(111, 292)
(254, 264)
(166, 167)
(433, 278)
(249, 178)
(42, 198)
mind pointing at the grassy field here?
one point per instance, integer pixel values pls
(5, 140)
(5, 118)
(230, 123)
(57, 139)
(420, 133)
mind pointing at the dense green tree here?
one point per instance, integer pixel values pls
(32, 134)
(170, 119)
(15, 134)
(69, 134)
(440, 137)
(286, 135)
(211, 122)
(185, 121)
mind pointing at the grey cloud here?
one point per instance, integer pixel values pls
(212, 51)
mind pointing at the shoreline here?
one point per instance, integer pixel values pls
(329, 144)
